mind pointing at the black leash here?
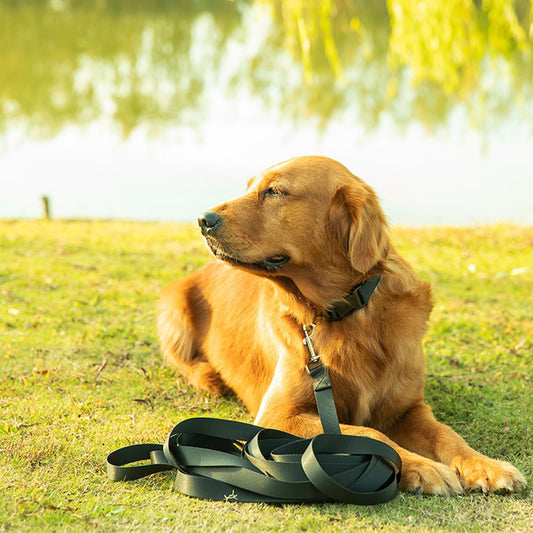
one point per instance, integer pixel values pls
(325, 402)
(233, 461)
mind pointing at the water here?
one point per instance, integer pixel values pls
(161, 110)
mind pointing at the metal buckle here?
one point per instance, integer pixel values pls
(314, 358)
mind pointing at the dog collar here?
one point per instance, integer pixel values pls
(357, 298)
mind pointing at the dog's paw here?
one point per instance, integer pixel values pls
(424, 476)
(488, 475)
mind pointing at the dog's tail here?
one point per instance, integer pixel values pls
(176, 335)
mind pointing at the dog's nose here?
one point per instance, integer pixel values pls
(209, 221)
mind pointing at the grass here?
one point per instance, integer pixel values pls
(81, 375)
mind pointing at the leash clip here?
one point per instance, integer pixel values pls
(314, 359)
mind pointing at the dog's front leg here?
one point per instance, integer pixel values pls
(282, 408)
(419, 432)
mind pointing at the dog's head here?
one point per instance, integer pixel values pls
(308, 219)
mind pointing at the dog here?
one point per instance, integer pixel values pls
(288, 252)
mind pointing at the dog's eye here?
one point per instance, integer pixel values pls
(271, 191)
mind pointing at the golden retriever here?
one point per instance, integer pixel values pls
(305, 232)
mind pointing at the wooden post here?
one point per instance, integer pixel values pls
(46, 207)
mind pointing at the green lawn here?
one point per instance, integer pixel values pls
(81, 375)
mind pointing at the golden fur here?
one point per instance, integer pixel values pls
(236, 324)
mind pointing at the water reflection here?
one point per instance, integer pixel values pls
(70, 62)
(153, 62)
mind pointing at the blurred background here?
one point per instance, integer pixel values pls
(161, 109)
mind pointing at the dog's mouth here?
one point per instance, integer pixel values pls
(269, 264)
(276, 261)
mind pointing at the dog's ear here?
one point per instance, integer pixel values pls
(357, 221)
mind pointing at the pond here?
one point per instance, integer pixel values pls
(159, 110)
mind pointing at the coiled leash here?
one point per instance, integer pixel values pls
(233, 461)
